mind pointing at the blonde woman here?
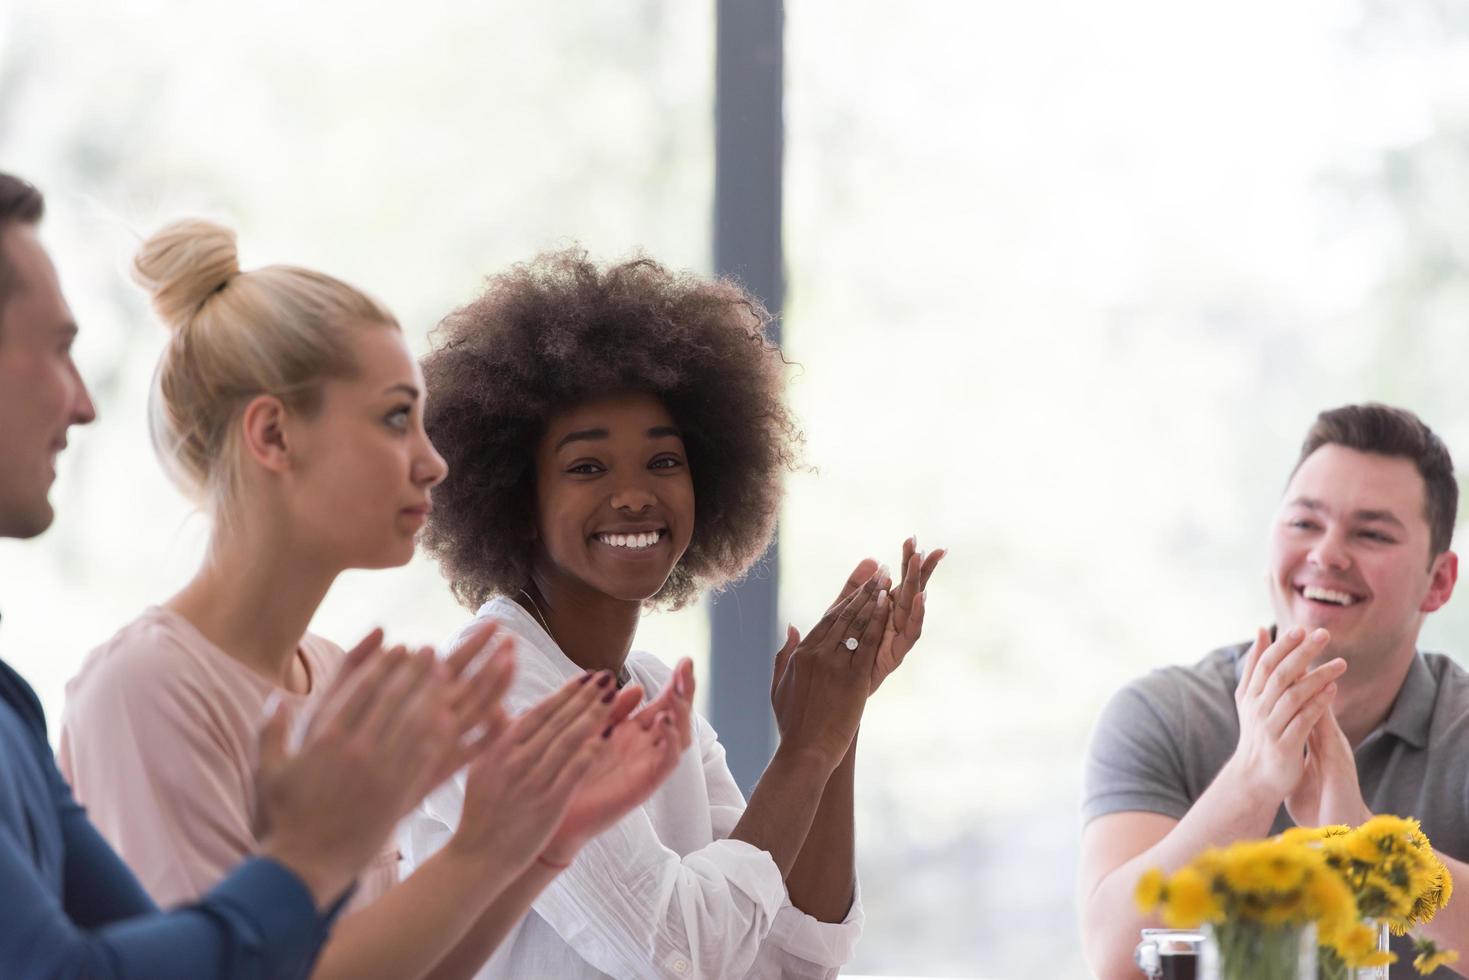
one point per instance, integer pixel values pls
(288, 406)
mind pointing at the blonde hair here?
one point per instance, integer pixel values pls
(279, 330)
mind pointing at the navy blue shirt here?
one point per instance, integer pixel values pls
(70, 908)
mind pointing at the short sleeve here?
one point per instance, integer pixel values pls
(141, 736)
(1133, 762)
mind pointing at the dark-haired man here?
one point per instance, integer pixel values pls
(68, 905)
(1332, 716)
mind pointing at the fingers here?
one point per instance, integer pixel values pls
(624, 704)
(531, 721)
(405, 714)
(539, 733)
(360, 654)
(1291, 668)
(907, 592)
(1293, 737)
(562, 739)
(478, 694)
(683, 681)
(865, 656)
(469, 646)
(349, 707)
(1252, 658)
(783, 657)
(1300, 693)
(1285, 644)
(864, 571)
(929, 564)
(836, 626)
(914, 627)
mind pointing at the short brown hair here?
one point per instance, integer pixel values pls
(1389, 431)
(563, 330)
(20, 203)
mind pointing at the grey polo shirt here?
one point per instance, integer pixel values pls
(1162, 739)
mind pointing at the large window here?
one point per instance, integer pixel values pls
(1069, 281)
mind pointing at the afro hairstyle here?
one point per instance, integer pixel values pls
(560, 331)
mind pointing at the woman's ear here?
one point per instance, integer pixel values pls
(263, 424)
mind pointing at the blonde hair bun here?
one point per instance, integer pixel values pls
(183, 264)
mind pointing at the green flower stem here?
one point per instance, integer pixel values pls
(1251, 951)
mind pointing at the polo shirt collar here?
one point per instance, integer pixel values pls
(1412, 711)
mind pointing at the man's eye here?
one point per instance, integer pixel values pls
(1377, 536)
(1303, 525)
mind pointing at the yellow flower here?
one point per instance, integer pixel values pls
(1149, 890)
(1190, 901)
(1430, 957)
(1310, 835)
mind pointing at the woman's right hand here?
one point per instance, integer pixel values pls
(366, 758)
(820, 686)
(518, 787)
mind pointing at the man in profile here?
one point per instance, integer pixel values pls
(69, 907)
(1330, 717)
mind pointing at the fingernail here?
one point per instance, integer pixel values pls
(1319, 636)
(882, 595)
(1296, 632)
(585, 677)
(272, 704)
(607, 698)
(678, 685)
(882, 571)
(604, 680)
(607, 732)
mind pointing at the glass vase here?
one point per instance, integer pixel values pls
(1244, 950)
(1332, 968)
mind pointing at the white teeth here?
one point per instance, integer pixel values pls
(1327, 595)
(632, 541)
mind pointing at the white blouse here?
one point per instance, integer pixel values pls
(664, 893)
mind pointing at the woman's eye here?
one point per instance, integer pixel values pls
(398, 417)
(585, 469)
(665, 463)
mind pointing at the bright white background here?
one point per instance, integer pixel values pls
(1068, 282)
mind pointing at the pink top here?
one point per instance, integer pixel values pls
(159, 741)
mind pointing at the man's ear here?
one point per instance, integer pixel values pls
(263, 425)
(1442, 575)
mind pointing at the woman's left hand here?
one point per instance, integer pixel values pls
(910, 600)
(643, 750)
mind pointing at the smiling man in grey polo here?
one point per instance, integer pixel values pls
(1331, 717)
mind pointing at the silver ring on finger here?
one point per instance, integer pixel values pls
(851, 643)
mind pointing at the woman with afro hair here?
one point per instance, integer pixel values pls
(616, 438)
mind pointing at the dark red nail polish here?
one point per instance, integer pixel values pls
(585, 677)
(607, 732)
(604, 680)
(607, 698)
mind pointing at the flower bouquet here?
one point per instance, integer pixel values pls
(1397, 882)
(1263, 902)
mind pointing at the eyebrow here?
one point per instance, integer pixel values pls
(404, 387)
(591, 435)
(1372, 516)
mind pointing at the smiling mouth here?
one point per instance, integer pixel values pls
(641, 541)
(1328, 597)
